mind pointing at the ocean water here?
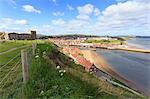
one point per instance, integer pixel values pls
(140, 42)
(132, 65)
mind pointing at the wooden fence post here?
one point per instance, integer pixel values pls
(33, 48)
(24, 61)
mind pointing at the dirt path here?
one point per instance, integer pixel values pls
(13, 49)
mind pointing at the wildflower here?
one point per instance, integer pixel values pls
(58, 67)
(36, 56)
(61, 74)
(64, 71)
(60, 71)
(42, 92)
(44, 52)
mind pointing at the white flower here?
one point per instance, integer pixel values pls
(36, 56)
(61, 74)
(44, 53)
(42, 92)
(60, 71)
(64, 71)
(58, 67)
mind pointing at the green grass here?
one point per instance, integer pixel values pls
(4, 58)
(45, 81)
(11, 87)
(117, 81)
(6, 45)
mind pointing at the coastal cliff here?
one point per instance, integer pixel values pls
(101, 64)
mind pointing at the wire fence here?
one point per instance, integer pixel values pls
(10, 61)
(11, 75)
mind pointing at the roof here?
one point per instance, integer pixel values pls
(80, 59)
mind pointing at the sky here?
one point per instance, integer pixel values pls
(94, 17)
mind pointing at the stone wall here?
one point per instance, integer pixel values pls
(16, 36)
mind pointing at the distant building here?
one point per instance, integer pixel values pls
(101, 38)
(78, 57)
(18, 36)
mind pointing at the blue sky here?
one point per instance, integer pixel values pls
(54, 17)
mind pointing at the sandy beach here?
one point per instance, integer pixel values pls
(132, 48)
(102, 65)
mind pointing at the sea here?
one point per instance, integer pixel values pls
(141, 42)
(134, 66)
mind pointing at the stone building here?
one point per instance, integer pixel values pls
(18, 36)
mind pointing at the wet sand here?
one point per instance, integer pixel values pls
(102, 65)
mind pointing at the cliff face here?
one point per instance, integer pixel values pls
(54, 75)
(102, 65)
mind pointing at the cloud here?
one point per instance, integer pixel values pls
(121, 0)
(125, 17)
(146, 1)
(29, 8)
(131, 17)
(53, 1)
(59, 22)
(96, 12)
(86, 9)
(8, 24)
(20, 22)
(71, 26)
(46, 26)
(9, 21)
(70, 7)
(83, 17)
(58, 13)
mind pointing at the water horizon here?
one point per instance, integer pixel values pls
(140, 42)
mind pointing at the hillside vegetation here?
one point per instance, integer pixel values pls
(68, 81)
(10, 66)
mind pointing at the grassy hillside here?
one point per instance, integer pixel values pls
(11, 85)
(7, 45)
(68, 81)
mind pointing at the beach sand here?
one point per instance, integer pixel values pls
(134, 49)
(101, 64)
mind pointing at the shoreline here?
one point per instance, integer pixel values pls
(132, 49)
(101, 64)
(127, 47)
